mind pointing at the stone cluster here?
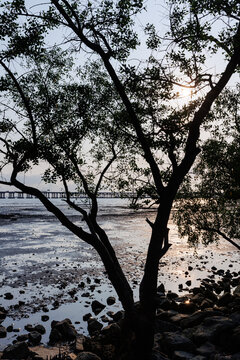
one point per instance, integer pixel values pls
(202, 325)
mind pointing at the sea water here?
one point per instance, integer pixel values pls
(42, 262)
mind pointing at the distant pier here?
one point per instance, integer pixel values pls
(62, 195)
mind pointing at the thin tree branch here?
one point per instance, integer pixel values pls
(24, 99)
(105, 170)
(223, 235)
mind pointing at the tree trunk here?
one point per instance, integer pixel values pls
(148, 288)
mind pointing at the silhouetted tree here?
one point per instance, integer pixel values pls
(129, 112)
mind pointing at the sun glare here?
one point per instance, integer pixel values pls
(184, 92)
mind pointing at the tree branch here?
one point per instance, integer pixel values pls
(24, 99)
(223, 235)
(105, 170)
(191, 150)
(77, 230)
(120, 88)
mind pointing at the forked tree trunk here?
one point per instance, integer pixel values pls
(148, 288)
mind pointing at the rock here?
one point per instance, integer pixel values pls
(94, 326)
(23, 337)
(176, 341)
(161, 289)
(118, 315)
(192, 320)
(206, 303)
(111, 334)
(210, 295)
(182, 355)
(79, 344)
(3, 332)
(34, 337)
(86, 317)
(56, 304)
(105, 319)
(39, 328)
(87, 356)
(62, 330)
(44, 318)
(111, 300)
(197, 290)
(178, 317)
(196, 318)
(10, 328)
(16, 330)
(19, 350)
(188, 283)
(198, 298)
(225, 299)
(156, 355)
(206, 349)
(8, 296)
(216, 329)
(165, 326)
(234, 341)
(55, 336)
(237, 291)
(29, 327)
(171, 295)
(97, 307)
(163, 303)
(235, 317)
(2, 315)
(187, 307)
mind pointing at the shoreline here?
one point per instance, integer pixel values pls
(42, 263)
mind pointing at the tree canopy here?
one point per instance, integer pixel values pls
(78, 95)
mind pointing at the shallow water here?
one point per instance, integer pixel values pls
(43, 260)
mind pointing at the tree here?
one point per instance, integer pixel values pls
(128, 111)
(212, 212)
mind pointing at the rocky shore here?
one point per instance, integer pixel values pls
(203, 324)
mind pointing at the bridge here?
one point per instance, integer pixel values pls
(62, 195)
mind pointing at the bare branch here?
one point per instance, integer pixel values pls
(149, 222)
(105, 170)
(5, 183)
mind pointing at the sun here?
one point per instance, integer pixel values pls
(184, 92)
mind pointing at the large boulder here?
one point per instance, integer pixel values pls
(62, 331)
(94, 326)
(196, 318)
(173, 341)
(40, 329)
(97, 307)
(216, 329)
(111, 334)
(19, 350)
(34, 337)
